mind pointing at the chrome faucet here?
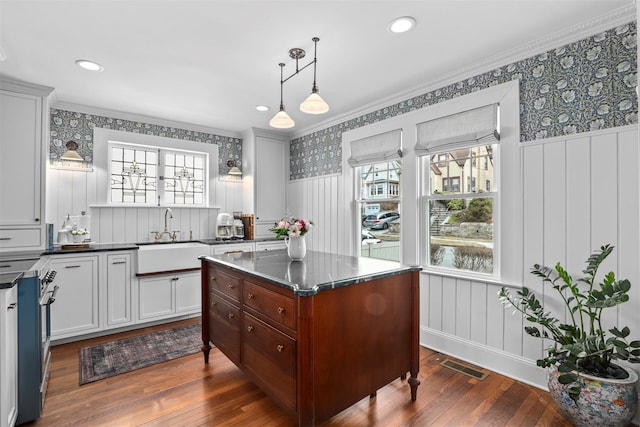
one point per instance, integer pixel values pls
(168, 214)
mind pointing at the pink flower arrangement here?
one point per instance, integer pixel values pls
(291, 227)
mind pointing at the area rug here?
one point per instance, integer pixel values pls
(128, 354)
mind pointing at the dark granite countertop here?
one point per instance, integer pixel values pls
(317, 272)
(9, 280)
(93, 247)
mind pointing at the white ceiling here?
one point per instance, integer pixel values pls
(208, 63)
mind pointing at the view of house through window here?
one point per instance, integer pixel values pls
(460, 215)
(379, 206)
(151, 175)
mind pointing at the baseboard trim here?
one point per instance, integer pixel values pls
(518, 368)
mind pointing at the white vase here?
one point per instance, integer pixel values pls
(296, 247)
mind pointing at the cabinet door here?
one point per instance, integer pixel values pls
(75, 310)
(8, 356)
(270, 182)
(21, 163)
(188, 290)
(270, 246)
(118, 290)
(226, 248)
(155, 297)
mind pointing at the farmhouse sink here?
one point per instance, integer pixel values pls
(153, 258)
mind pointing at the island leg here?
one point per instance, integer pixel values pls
(206, 348)
(414, 382)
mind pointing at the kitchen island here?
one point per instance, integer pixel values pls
(316, 335)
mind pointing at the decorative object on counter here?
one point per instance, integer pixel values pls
(293, 231)
(224, 226)
(314, 104)
(126, 355)
(247, 223)
(79, 235)
(584, 382)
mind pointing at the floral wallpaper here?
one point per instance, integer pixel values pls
(580, 87)
(70, 125)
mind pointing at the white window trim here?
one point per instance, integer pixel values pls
(101, 139)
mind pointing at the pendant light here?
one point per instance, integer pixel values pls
(314, 104)
(281, 120)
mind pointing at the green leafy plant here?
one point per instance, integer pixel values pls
(580, 345)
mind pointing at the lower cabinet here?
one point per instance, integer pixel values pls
(167, 295)
(118, 306)
(270, 245)
(8, 356)
(75, 310)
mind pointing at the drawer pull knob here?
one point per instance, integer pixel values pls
(231, 286)
(12, 306)
(250, 328)
(280, 310)
(280, 347)
(250, 296)
(214, 303)
(231, 316)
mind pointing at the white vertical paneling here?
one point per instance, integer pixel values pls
(118, 219)
(335, 202)
(578, 166)
(478, 312)
(435, 300)
(533, 251)
(462, 310)
(628, 248)
(500, 322)
(449, 305)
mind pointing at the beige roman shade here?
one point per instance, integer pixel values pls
(376, 149)
(459, 130)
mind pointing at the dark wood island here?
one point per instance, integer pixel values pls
(316, 335)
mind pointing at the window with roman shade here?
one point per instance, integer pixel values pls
(458, 152)
(378, 164)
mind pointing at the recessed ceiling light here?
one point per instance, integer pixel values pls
(262, 108)
(402, 24)
(89, 65)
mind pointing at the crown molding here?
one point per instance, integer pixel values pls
(620, 16)
(115, 114)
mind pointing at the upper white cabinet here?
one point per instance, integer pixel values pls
(265, 166)
(24, 110)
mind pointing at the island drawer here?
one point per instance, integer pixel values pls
(224, 326)
(225, 284)
(275, 306)
(271, 356)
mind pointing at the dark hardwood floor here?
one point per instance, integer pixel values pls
(188, 392)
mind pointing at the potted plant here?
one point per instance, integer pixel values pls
(582, 354)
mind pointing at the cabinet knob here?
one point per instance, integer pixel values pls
(37, 219)
(214, 303)
(279, 347)
(12, 306)
(280, 310)
(231, 316)
(250, 296)
(250, 328)
(231, 286)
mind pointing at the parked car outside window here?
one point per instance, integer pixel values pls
(381, 220)
(369, 239)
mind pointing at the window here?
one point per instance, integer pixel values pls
(460, 224)
(460, 218)
(147, 175)
(378, 168)
(380, 210)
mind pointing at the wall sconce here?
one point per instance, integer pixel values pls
(234, 168)
(72, 153)
(314, 104)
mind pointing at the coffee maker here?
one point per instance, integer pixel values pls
(224, 226)
(238, 226)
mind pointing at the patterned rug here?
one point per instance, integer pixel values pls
(125, 355)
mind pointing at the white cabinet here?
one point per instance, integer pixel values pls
(229, 248)
(270, 246)
(8, 356)
(23, 155)
(265, 168)
(75, 310)
(168, 295)
(119, 273)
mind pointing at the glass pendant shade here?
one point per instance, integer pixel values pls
(282, 120)
(314, 104)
